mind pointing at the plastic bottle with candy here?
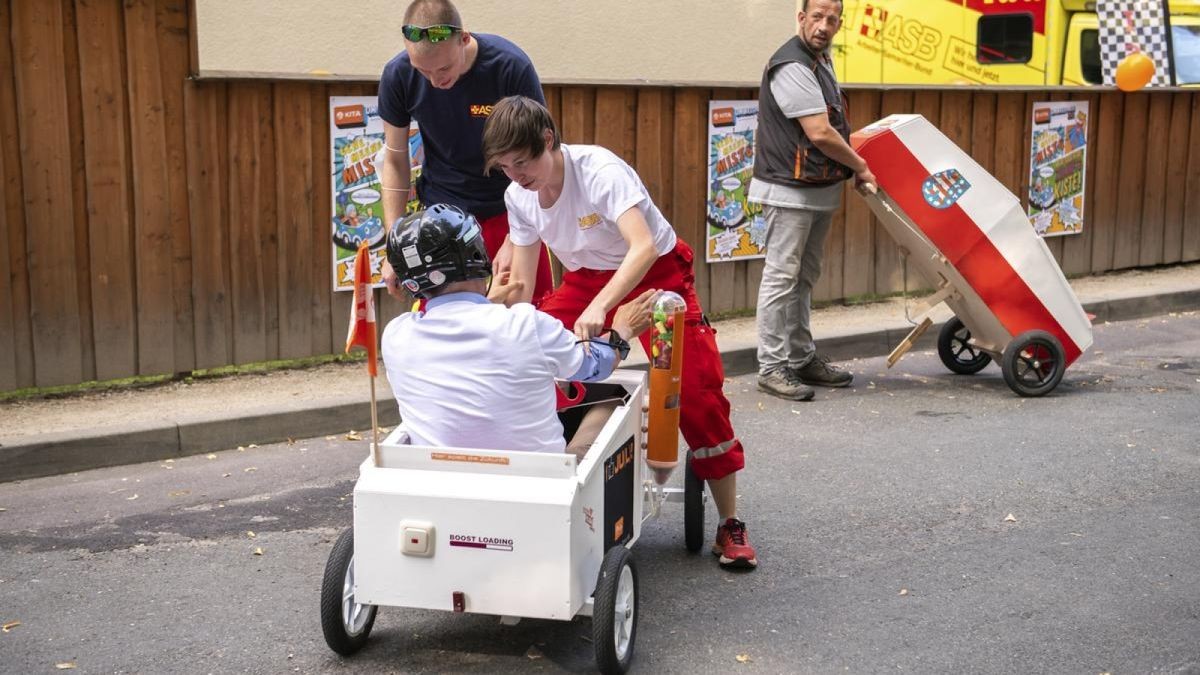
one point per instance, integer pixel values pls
(666, 362)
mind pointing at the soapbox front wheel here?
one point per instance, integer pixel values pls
(346, 623)
(693, 508)
(1033, 363)
(956, 351)
(615, 611)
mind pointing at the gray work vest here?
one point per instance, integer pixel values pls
(784, 155)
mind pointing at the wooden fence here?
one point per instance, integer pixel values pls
(152, 224)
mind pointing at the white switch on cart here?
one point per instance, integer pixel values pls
(416, 538)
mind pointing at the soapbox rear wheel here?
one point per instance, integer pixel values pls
(956, 351)
(1033, 363)
(346, 623)
(615, 611)
(693, 508)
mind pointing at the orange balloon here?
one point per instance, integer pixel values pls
(1134, 72)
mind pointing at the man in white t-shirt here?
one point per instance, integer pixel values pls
(470, 372)
(595, 214)
(800, 162)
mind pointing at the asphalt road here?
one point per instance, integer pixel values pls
(917, 522)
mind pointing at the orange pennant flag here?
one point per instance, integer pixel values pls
(362, 312)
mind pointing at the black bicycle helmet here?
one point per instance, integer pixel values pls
(440, 245)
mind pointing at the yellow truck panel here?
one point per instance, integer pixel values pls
(1002, 42)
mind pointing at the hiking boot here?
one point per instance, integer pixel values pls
(784, 383)
(733, 545)
(820, 372)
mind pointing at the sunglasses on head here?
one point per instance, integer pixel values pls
(438, 33)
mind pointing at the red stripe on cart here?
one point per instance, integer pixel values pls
(959, 238)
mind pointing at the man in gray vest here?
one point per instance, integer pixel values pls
(801, 159)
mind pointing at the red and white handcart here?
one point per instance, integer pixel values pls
(971, 240)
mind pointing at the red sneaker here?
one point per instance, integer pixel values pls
(733, 545)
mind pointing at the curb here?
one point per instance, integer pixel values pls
(744, 360)
(1140, 307)
(68, 452)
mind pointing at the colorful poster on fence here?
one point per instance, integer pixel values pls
(736, 229)
(356, 137)
(1058, 159)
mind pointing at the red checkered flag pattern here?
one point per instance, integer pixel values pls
(1128, 26)
(872, 22)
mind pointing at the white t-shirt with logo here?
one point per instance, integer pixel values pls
(581, 227)
(467, 373)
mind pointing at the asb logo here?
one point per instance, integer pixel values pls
(944, 188)
(588, 221)
(479, 110)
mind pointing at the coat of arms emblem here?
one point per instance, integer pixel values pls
(944, 188)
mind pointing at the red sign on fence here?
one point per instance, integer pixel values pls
(349, 116)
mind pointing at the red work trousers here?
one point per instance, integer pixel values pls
(495, 229)
(703, 408)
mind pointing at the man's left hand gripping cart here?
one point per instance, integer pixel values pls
(666, 365)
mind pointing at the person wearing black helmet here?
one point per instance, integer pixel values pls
(467, 371)
(432, 248)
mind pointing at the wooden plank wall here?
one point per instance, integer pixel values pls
(150, 223)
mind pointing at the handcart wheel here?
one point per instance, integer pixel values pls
(693, 508)
(615, 611)
(346, 623)
(1033, 363)
(955, 348)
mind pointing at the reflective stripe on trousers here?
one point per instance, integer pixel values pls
(717, 450)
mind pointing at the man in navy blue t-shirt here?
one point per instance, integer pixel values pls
(448, 79)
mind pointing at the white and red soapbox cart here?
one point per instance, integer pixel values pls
(969, 237)
(512, 534)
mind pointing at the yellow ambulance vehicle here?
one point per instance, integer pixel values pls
(1003, 42)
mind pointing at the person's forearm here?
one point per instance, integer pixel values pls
(395, 179)
(833, 146)
(633, 269)
(524, 270)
